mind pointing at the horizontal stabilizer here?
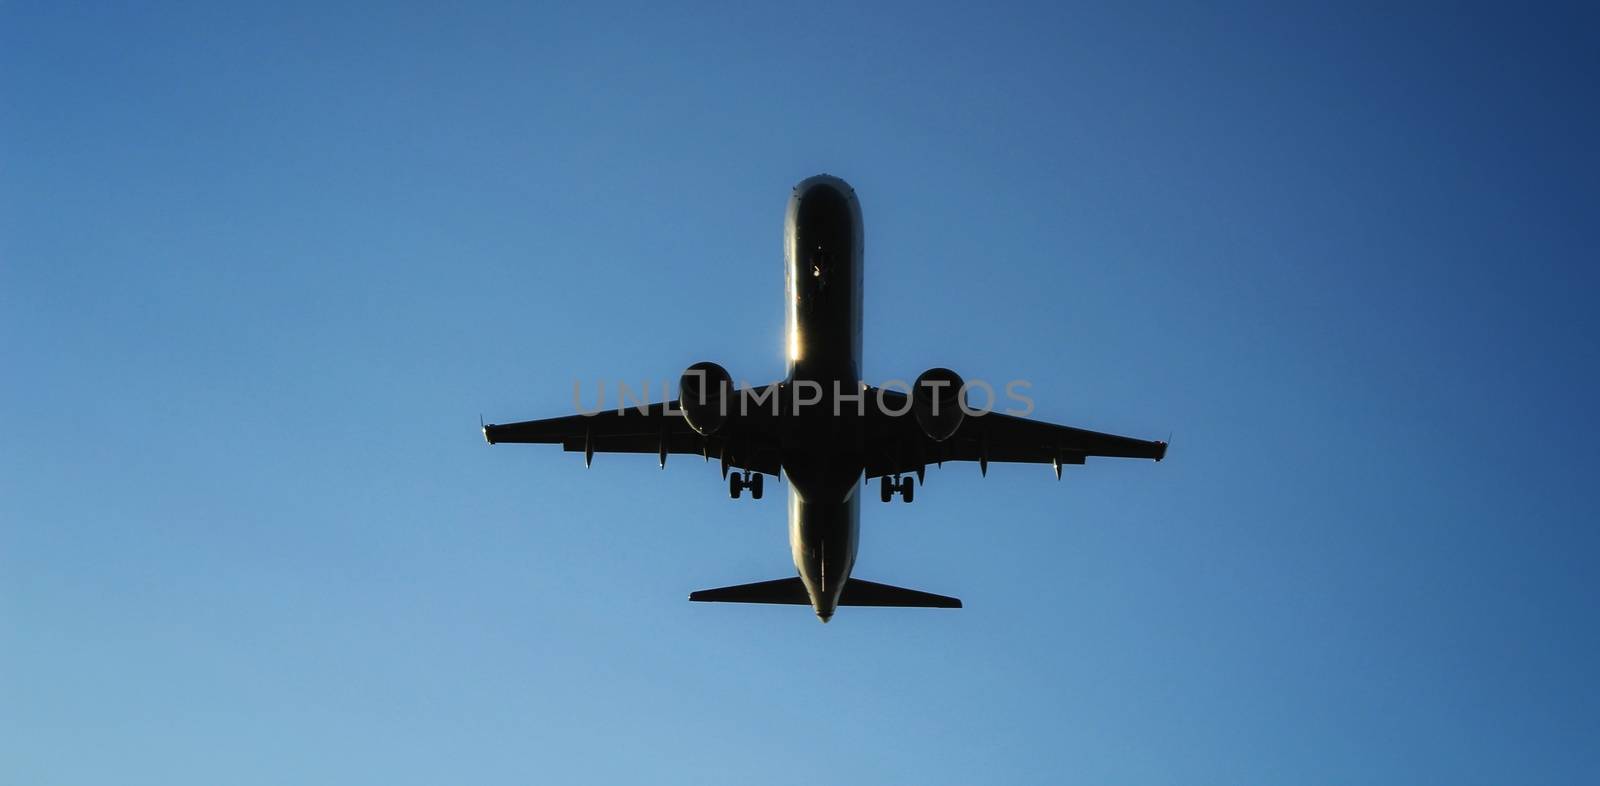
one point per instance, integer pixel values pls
(790, 590)
(857, 592)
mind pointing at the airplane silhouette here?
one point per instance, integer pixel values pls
(821, 426)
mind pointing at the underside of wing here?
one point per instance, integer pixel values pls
(658, 428)
(899, 445)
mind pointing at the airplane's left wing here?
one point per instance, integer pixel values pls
(900, 446)
(658, 428)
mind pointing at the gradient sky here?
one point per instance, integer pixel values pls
(262, 266)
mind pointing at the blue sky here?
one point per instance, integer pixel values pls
(261, 268)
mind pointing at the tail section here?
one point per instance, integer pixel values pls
(857, 592)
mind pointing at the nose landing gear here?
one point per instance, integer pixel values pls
(739, 481)
(904, 485)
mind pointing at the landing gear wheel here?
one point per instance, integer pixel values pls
(886, 489)
(739, 481)
(908, 489)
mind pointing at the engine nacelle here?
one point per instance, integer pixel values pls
(705, 392)
(936, 403)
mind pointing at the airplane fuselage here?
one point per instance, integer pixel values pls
(823, 453)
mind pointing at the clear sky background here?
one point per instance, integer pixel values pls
(262, 267)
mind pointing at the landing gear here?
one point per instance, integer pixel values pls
(905, 486)
(739, 481)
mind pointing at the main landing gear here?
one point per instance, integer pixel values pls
(739, 481)
(905, 485)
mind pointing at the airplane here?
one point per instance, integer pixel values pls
(821, 427)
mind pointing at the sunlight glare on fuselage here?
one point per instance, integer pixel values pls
(794, 314)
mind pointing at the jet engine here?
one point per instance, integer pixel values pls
(936, 402)
(705, 393)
